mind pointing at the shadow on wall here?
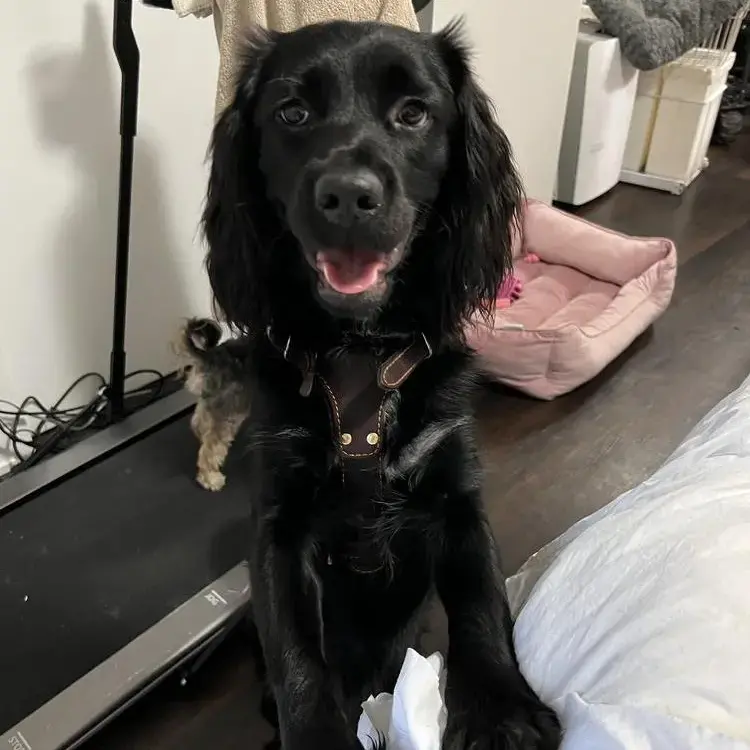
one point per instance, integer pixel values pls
(76, 98)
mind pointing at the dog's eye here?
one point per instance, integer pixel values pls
(413, 114)
(293, 113)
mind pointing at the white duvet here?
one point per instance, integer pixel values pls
(635, 624)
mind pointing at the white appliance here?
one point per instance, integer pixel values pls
(600, 103)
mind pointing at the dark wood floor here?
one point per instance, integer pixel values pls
(549, 464)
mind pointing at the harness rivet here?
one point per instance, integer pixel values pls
(373, 438)
(346, 438)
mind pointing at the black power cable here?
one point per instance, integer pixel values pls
(38, 454)
(57, 422)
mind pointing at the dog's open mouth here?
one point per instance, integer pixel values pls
(348, 272)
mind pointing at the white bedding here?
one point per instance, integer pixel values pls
(635, 624)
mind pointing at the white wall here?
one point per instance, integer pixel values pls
(524, 57)
(59, 84)
(59, 153)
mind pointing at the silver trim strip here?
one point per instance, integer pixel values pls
(54, 469)
(66, 720)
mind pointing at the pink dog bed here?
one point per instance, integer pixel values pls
(588, 294)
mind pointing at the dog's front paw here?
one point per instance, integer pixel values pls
(211, 480)
(480, 719)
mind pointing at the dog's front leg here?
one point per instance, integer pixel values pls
(308, 712)
(490, 704)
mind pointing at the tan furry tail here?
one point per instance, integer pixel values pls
(201, 334)
(198, 336)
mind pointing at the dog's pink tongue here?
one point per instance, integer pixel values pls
(350, 273)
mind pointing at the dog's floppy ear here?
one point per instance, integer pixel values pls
(482, 194)
(239, 222)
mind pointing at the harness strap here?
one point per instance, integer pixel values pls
(355, 385)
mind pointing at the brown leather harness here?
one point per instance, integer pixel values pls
(356, 385)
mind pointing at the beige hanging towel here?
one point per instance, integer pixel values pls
(232, 18)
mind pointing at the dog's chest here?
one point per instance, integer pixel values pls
(367, 520)
(365, 539)
(371, 567)
(358, 515)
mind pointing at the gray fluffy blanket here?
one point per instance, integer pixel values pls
(655, 32)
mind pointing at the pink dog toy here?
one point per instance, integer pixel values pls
(512, 287)
(509, 291)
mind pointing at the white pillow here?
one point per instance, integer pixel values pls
(635, 624)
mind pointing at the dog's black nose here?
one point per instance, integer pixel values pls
(346, 198)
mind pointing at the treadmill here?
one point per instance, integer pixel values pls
(116, 568)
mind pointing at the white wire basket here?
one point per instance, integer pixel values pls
(717, 48)
(675, 112)
(725, 37)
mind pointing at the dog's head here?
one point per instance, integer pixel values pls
(359, 175)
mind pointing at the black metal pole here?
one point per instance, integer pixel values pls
(128, 58)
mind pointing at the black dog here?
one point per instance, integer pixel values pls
(360, 209)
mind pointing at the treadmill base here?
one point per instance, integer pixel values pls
(80, 710)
